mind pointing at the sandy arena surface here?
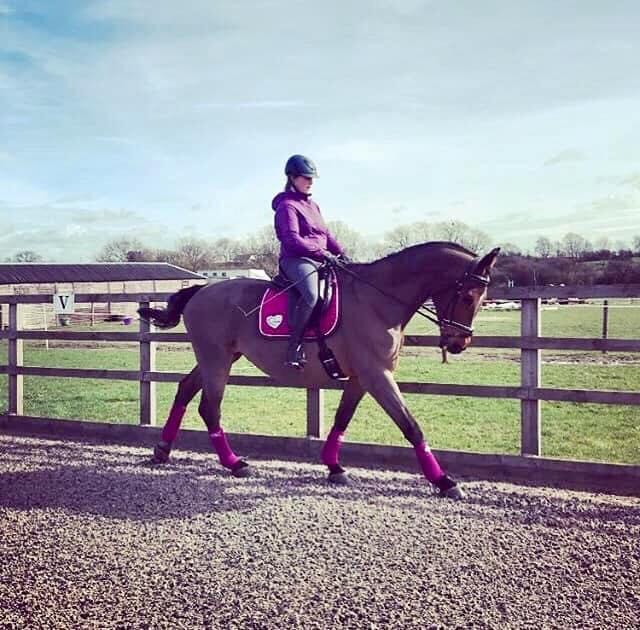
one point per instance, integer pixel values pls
(92, 538)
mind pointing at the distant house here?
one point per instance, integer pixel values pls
(51, 278)
(235, 269)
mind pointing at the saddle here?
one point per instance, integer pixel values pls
(279, 301)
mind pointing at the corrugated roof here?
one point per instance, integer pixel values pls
(38, 273)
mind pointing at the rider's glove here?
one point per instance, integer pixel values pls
(344, 258)
(332, 259)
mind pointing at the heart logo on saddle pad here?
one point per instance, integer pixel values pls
(274, 320)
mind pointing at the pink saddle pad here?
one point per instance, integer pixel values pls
(273, 319)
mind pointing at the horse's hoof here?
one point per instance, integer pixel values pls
(241, 469)
(161, 454)
(456, 493)
(339, 478)
(447, 488)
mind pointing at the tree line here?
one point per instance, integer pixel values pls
(570, 260)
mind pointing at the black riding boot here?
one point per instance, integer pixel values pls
(295, 351)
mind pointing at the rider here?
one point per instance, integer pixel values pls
(305, 242)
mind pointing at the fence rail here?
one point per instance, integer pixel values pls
(530, 391)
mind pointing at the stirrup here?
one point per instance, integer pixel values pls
(298, 359)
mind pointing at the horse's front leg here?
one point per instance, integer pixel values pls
(188, 387)
(383, 387)
(351, 396)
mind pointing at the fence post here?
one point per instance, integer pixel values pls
(15, 381)
(530, 378)
(605, 321)
(147, 364)
(315, 412)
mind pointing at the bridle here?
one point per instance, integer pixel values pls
(467, 281)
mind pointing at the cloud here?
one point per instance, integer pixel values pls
(568, 155)
(356, 151)
(67, 233)
(614, 203)
(253, 105)
(632, 180)
(96, 217)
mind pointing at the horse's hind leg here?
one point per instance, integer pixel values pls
(214, 380)
(188, 387)
(382, 386)
(351, 396)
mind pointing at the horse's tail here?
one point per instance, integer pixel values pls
(170, 316)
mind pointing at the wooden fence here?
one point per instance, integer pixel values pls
(530, 391)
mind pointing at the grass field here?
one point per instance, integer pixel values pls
(571, 430)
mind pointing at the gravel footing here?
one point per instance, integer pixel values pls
(93, 537)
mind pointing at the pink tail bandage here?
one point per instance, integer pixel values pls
(428, 462)
(172, 425)
(331, 448)
(227, 457)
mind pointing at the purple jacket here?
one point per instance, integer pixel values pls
(300, 227)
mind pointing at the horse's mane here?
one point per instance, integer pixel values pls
(408, 251)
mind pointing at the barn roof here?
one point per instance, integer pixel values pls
(38, 273)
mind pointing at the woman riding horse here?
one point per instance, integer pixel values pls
(305, 242)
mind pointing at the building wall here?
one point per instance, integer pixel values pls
(227, 273)
(36, 316)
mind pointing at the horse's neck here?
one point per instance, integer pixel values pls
(412, 278)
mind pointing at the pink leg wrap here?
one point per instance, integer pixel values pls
(331, 448)
(227, 457)
(172, 425)
(428, 462)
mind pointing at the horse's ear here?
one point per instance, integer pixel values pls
(486, 264)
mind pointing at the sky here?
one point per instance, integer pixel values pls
(160, 120)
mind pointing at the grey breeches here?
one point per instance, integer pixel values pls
(305, 272)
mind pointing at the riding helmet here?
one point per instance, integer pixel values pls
(300, 165)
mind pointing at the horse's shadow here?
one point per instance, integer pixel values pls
(116, 486)
(141, 492)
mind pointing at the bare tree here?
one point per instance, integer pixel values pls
(543, 247)
(453, 231)
(264, 247)
(636, 244)
(459, 232)
(510, 249)
(25, 256)
(574, 244)
(118, 249)
(225, 249)
(194, 254)
(353, 242)
(405, 235)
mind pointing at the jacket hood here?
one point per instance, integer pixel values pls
(288, 195)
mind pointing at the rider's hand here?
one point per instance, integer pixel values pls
(344, 258)
(332, 259)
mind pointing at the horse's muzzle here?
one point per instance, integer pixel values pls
(454, 344)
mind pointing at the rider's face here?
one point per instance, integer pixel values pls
(303, 183)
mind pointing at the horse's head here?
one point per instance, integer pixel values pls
(458, 304)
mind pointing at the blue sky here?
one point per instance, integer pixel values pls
(161, 119)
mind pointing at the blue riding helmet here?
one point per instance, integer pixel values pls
(300, 165)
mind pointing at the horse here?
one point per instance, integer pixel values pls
(378, 299)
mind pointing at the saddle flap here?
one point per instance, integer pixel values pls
(274, 317)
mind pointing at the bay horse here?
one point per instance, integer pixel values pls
(378, 300)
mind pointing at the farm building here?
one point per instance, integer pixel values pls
(228, 270)
(52, 278)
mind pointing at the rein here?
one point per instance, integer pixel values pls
(430, 313)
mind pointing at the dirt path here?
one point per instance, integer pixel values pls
(93, 539)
